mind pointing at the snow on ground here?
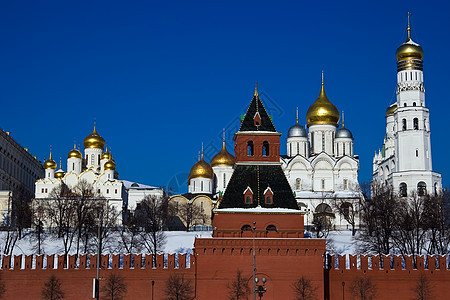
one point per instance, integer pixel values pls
(339, 242)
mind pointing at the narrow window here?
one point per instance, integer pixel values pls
(290, 149)
(346, 184)
(98, 191)
(414, 103)
(201, 207)
(298, 183)
(404, 124)
(323, 141)
(201, 186)
(73, 166)
(92, 159)
(43, 190)
(323, 184)
(265, 148)
(107, 191)
(268, 200)
(224, 180)
(116, 191)
(404, 104)
(46, 190)
(416, 123)
(403, 189)
(417, 152)
(250, 148)
(298, 148)
(99, 159)
(194, 185)
(87, 159)
(248, 200)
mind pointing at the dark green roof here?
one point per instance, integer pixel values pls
(266, 122)
(258, 178)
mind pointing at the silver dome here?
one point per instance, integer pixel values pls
(343, 133)
(297, 131)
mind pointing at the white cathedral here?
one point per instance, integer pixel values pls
(404, 161)
(97, 167)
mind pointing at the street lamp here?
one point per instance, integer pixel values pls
(153, 285)
(343, 285)
(260, 288)
(254, 278)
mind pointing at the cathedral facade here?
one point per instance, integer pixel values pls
(98, 168)
(404, 161)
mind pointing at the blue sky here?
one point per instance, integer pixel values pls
(162, 77)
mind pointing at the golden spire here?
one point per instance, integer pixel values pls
(223, 138)
(256, 90)
(297, 114)
(202, 150)
(50, 158)
(60, 163)
(343, 119)
(322, 77)
(408, 29)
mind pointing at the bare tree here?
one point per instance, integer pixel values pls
(437, 218)
(2, 287)
(114, 287)
(37, 222)
(410, 228)
(379, 215)
(129, 235)
(348, 211)
(363, 288)
(422, 289)
(151, 215)
(189, 213)
(52, 289)
(108, 226)
(178, 287)
(238, 288)
(86, 203)
(304, 289)
(11, 237)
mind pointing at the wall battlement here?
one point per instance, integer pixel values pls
(86, 262)
(389, 262)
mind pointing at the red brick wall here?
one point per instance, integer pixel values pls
(240, 147)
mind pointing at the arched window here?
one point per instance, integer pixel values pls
(346, 209)
(404, 124)
(416, 123)
(248, 200)
(421, 188)
(246, 228)
(250, 151)
(271, 228)
(403, 189)
(414, 103)
(265, 148)
(269, 199)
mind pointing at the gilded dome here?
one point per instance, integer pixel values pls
(391, 109)
(94, 140)
(322, 111)
(107, 155)
(223, 158)
(409, 49)
(110, 165)
(50, 163)
(74, 153)
(59, 174)
(201, 169)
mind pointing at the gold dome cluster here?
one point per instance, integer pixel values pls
(322, 111)
(201, 169)
(107, 155)
(50, 163)
(94, 140)
(223, 158)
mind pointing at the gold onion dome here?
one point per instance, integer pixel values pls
(322, 111)
(391, 109)
(60, 173)
(110, 165)
(409, 49)
(107, 155)
(74, 153)
(50, 163)
(223, 158)
(201, 169)
(94, 140)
